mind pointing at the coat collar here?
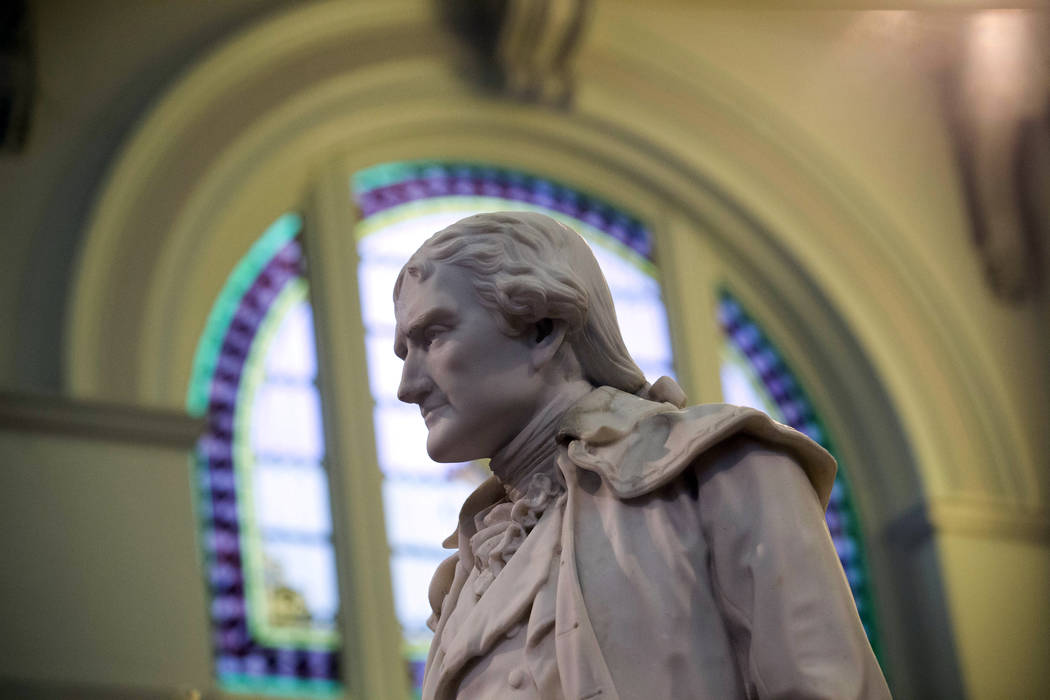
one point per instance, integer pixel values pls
(637, 445)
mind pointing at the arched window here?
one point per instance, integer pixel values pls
(263, 489)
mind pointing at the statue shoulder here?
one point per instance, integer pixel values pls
(637, 446)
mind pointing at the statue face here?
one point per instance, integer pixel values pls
(475, 386)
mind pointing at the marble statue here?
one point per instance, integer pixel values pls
(625, 546)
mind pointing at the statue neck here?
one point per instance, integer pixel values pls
(534, 449)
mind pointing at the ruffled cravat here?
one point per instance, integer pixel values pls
(526, 467)
(503, 527)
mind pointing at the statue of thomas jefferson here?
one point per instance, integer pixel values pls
(625, 546)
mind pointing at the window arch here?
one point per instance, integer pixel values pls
(263, 490)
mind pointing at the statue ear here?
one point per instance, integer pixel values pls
(550, 334)
(543, 329)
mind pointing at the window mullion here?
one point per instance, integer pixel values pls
(371, 651)
(690, 269)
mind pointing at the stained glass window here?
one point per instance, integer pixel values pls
(755, 374)
(401, 205)
(262, 490)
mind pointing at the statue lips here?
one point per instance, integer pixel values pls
(429, 411)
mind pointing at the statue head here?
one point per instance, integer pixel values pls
(498, 316)
(527, 268)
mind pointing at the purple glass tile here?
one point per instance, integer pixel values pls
(220, 424)
(224, 511)
(222, 481)
(286, 662)
(844, 546)
(438, 186)
(228, 665)
(224, 542)
(415, 190)
(489, 188)
(227, 607)
(255, 664)
(224, 575)
(231, 639)
(320, 664)
(212, 448)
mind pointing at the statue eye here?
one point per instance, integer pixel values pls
(431, 334)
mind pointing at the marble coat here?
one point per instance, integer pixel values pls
(687, 558)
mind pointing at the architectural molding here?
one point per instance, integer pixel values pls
(97, 420)
(54, 690)
(969, 518)
(991, 519)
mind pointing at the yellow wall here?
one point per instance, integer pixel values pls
(997, 590)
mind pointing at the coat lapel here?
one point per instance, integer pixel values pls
(581, 665)
(506, 602)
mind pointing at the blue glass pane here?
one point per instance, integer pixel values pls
(384, 367)
(411, 577)
(292, 355)
(643, 323)
(401, 443)
(286, 421)
(291, 499)
(424, 508)
(377, 285)
(739, 387)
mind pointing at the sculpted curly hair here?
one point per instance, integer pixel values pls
(527, 267)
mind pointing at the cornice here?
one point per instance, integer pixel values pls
(969, 518)
(62, 416)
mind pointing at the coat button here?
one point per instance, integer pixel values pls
(516, 679)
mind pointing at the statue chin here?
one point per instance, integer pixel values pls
(448, 449)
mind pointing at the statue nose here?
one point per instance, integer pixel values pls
(414, 384)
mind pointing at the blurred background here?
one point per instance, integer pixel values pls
(837, 211)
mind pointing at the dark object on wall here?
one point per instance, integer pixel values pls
(526, 47)
(16, 75)
(996, 97)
